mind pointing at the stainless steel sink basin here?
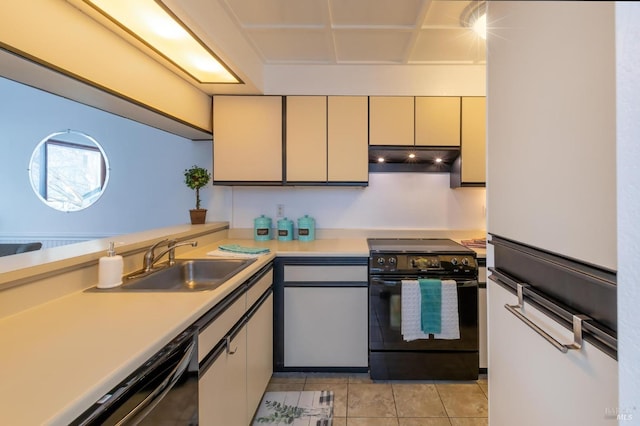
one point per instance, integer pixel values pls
(187, 275)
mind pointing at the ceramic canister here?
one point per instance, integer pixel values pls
(285, 229)
(262, 228)
(306, 228)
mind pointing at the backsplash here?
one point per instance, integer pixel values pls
(391, 201)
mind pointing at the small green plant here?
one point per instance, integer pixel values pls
(195, 178)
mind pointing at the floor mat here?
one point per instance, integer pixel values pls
(308, 408)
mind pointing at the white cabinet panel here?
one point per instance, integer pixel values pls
(223, 387)
(437, 121)
(259, 354)
(348, 139)
(306, 138)
(473, 142)
(325, 327)
(258, 289)
(231, 385)
(391, 120)
(214, 332)
(247, 138)
(310, 273)
(531, 383)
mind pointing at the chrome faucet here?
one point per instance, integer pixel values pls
(150, 258)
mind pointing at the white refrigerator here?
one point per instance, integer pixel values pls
(551, 211)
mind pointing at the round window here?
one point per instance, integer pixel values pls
(69, 170)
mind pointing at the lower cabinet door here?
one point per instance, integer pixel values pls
(222, 388)
(325, 327)
(531, 383)
(259, 354)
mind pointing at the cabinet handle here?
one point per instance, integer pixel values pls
(562, 347)
(228, 346)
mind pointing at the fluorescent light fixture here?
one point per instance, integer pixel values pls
(474, 16)
(152, 23)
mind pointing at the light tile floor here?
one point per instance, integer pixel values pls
(361, 402)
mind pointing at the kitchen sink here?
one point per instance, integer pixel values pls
(186, 275)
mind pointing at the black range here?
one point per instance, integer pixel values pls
(391, 357)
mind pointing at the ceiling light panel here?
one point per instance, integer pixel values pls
(157, 28)
(279, 12)
(459, 45)
(445, 13)
(371, 46)
(372, 13)
(292, 45)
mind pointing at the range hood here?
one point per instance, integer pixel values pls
(409, 158)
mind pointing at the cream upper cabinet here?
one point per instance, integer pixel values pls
(391, 120)
(306, 139)
(348, 139)
(247, 138)
(473, 147)
(437, 121)
(469, 169)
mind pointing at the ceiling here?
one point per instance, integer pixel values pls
(258, 39)
(357, 31)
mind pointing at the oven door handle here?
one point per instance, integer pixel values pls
(398, 281)
(388, 283)
(142, 410)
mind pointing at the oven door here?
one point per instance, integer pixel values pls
(385, 317)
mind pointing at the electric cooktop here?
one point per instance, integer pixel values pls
(416, 245)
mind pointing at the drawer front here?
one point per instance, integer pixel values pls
(301, 273)
(214, 332)
(256, 290)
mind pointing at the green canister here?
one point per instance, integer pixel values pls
(262, 228)
(306, 228)
(285, 229)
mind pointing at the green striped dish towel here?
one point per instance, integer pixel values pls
(430, 305)
(236, 248)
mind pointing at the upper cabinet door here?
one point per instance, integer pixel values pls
(247, 138)
(348, 137)
(306, 139)
(473, 148)
(438, 121)
(391, 120)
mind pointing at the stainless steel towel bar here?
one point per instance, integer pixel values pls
(562, 347)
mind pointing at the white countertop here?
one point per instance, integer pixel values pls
(59, 357)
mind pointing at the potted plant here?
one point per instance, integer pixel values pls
(195, 178)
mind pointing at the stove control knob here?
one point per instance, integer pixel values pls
(454, 261)
(392, 260)
(465, 261)
(381, 261)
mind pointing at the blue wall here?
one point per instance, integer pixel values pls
(145, 189)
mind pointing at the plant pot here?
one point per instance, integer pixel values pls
(198, 216)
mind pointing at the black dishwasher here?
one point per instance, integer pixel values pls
(163, 390)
